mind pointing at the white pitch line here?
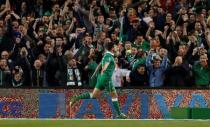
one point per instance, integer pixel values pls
(1, 119)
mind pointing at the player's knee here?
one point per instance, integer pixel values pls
(95, 95)
(114, 95)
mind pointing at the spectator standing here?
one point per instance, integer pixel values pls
(156, 68)
(90, 69)
(73, 74)
(119, 74)
(177, 75)
(201, 72)
(139, 76)
(5, 74)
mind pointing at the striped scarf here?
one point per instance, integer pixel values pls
(73, 77)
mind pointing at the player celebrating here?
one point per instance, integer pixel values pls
(104, 81)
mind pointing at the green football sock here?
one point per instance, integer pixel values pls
(83, 96)
(116, 106)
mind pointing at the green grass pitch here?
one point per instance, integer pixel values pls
(104, 123)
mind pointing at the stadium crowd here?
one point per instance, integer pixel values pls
(58, 43)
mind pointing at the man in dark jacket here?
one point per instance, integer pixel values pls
(37, 74)
(81, 55)
(5, 74)
(53, 68)
(139, 77)
(177, 75)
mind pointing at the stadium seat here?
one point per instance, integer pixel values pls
(180, 113)
(200, 113)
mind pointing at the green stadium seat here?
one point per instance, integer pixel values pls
(180, 113)
(200, 113)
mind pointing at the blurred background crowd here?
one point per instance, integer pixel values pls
(59, 43)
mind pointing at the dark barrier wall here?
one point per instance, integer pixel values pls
(136, 103)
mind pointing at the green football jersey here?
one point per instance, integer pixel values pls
(108, 57)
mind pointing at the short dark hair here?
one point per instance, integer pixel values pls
(140, 65)
(109, 45)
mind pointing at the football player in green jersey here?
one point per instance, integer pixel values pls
(104, 81)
